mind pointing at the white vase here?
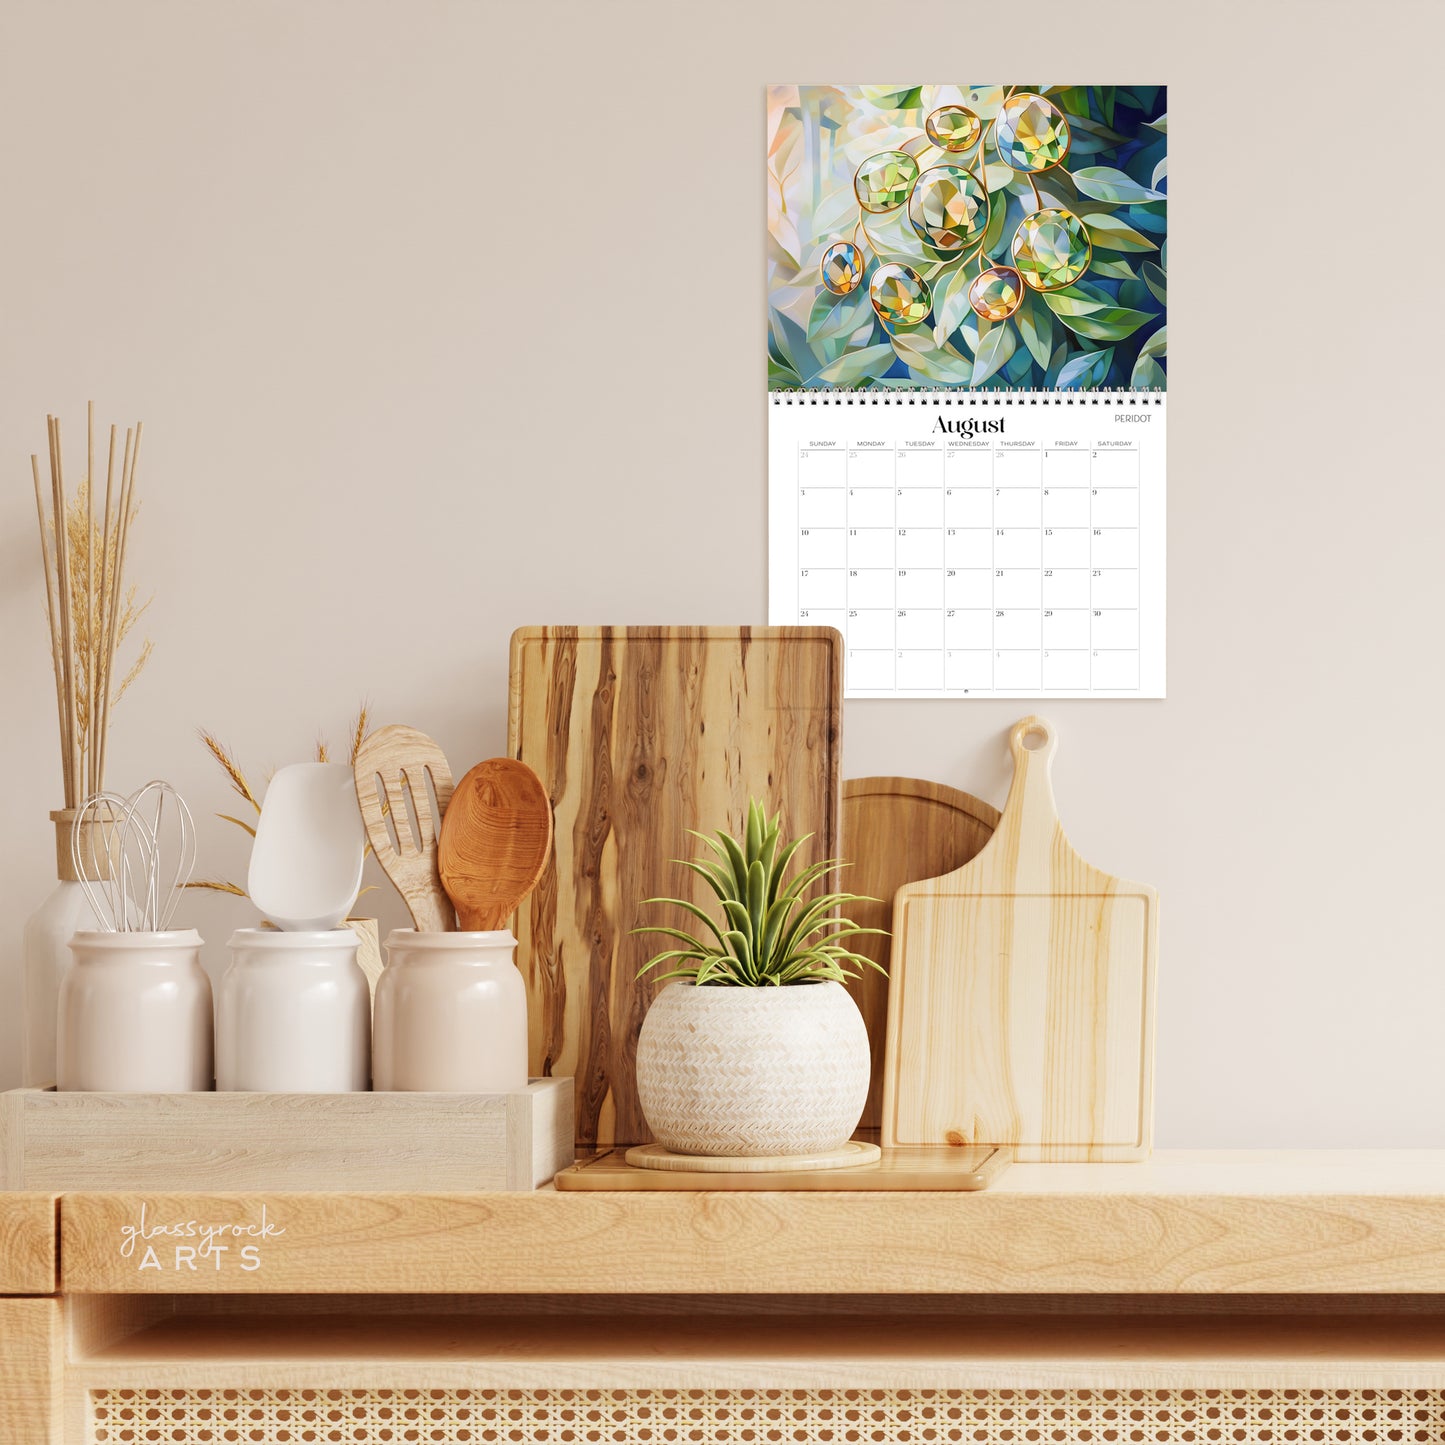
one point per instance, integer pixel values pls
(48, 932)
(293, 1014)
(740, 1071)
(135, 1015)
(450, 1014)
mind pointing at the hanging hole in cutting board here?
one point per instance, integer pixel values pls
(1035, 739)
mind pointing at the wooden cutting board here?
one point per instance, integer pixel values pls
(1021, 1003)
(638, 734)
(908, 1169)
(897, 831)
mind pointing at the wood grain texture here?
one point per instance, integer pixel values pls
(289, 1141)
(31, 1371)
(496, 840)
(396, 763)
(897, 831)
(1021, 1003)
(897, 1169)
(352, 1346)
(640, 733)
(29, 1228)
(1361, 1222)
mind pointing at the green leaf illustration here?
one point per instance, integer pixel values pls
(920, 356)
(1036, 326)
(1116, 234)
(1086, 370)
(838, 315)
(994, 348)
(1156, 281)
(849, 370)
(1147, 373)
(1104, 183)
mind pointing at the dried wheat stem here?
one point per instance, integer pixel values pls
(103, 623)
(50, 609)
(127, 491)
(91, 652)
(62, 567)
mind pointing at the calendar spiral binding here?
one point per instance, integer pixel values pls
(965, 396)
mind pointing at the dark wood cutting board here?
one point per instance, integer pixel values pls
(638, 734)
(897, 831)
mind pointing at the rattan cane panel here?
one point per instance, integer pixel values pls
(767, 1417)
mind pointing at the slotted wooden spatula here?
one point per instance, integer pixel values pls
(496, 840)
(394, 764)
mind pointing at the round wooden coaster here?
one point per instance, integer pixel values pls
(654, 1156)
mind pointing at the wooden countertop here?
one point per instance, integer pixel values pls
(29, 1227)
(1184, 1222)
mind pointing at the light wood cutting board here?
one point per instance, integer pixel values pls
(1021, 1003)
(638, 734)
(913, 1170)
(897, 831)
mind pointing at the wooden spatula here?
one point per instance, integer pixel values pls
(394, 763)
(496, 839)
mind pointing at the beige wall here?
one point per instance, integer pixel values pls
(402, 293)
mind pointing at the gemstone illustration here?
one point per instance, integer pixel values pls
(953, 127)
(899, 295)
(1051, 249)
(1032, 133)
(842, 267)
(996, 293)
(948, 208)
(883, 181)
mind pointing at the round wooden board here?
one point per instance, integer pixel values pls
(897, 831)
(654, 1156)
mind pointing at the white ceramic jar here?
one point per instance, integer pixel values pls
(135, 1014)
(293, 1014)
(451, 1014)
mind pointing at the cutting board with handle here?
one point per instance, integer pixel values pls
(1021, 1003)
(897, 831)
(640, 734)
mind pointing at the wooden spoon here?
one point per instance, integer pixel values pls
(399, 759)
(496, 840)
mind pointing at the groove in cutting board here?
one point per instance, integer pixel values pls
(1021, 1003)
(897, 831)
(638, 734)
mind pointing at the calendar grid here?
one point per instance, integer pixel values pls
(961, 562)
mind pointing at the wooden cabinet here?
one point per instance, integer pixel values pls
(1192, 1299)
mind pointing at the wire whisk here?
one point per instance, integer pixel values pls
(134, 856)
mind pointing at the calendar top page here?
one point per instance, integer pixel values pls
(988, 237)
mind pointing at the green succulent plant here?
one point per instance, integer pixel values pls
(769, 933)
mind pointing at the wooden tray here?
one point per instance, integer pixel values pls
(911, 1169)
(897, 831)
(640, 733)
(315, 1142)
(1021, 1006)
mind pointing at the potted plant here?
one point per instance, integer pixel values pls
(756, 1047)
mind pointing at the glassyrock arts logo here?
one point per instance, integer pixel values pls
(208, 1244)
(968, 426)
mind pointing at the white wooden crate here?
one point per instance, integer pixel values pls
(401, 1141)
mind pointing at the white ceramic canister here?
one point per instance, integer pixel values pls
(135, 1014)
(451, 1014)
(293, 1014)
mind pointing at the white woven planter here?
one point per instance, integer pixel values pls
(723, 1070)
